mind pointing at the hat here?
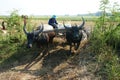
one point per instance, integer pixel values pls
(54, 16)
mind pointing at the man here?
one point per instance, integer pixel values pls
(52, 21)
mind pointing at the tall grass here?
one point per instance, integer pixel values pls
(14, 36)
(105, 41)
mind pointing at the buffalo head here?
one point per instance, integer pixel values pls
(74, 34)
(31, 36)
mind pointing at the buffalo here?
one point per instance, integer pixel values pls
(38, 36)
(74, 35)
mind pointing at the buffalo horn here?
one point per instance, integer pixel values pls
(81, 26)
(66, 27)
(39, 31)
(24, 27)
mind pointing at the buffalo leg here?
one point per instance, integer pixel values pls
(70, 49)
(77, 46)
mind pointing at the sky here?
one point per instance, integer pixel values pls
(50, 7)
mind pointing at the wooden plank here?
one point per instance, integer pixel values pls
(56, 30)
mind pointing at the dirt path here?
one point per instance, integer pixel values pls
(55, 65)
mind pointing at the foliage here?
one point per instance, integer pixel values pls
(13, 20)
(105, 40)
(14, 39)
